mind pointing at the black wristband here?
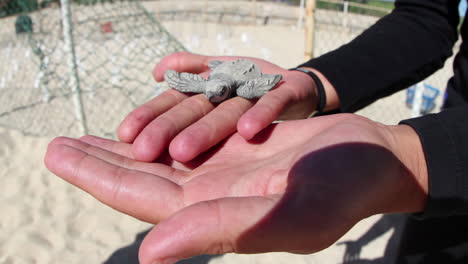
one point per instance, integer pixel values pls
(322, 97)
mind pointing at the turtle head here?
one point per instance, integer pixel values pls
(218, 90)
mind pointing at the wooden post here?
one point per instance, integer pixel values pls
(254, 11)
(310, 30)
(206, 11)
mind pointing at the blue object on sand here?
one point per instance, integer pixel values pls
(430, 93)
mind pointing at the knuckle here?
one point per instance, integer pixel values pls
(176, 56)
(267, 108)
(223, 244)
(235, 107)
(173, 94)
(80, 164)
(124, 162)
(220, 247)
(116, 188)
(165, 124)
(276, 99)
(198, 104)
(181, 58)
(142, 113)
(230, 104)
(204, 128)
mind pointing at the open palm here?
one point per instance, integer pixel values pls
(298, 186)
(190, 125)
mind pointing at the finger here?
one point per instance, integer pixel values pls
(137, 120)
(155, 137)
(264, 112)
(139, 194)
(210, 227)
(209, 130)
(125, 150)
(181, 62)
(104, 149)
(117, 147)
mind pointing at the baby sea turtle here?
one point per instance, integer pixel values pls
(227, 78)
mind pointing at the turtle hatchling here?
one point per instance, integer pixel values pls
(227, 79)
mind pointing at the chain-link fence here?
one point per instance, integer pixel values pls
(253, 27)
(115, 46)
(117, 43)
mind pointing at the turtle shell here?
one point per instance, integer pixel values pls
(239, 70)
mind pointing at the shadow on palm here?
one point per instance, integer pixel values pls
(328, 191)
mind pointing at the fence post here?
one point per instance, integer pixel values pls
(205, 19)
(300, 20)
(345, 11)
(254, 11)
(310, 29)
(70, 50)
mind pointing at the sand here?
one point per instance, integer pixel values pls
(44, 219)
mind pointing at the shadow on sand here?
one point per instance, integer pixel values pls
(129, 254)
(385, 223)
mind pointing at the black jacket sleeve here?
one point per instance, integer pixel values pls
(402, 48)
(444, 137)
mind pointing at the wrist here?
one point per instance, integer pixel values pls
(304, 101)
(306, 94)
(317, 88)
(332, 99)
(407, 147)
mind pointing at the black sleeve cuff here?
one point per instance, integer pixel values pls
(370, 67)
(444, 137)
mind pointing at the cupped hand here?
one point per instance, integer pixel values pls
(298, 186)
(190, 125)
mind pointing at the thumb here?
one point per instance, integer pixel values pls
(210, 227)
(181, 62)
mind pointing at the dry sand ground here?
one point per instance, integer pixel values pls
(45, 220)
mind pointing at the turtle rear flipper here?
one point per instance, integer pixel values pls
(185, 82)
(257, 87)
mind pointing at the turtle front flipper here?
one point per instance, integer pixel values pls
(185, 82)
(257, 87)
(214, 63)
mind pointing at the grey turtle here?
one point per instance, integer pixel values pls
(227, 78)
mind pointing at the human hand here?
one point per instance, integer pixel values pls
(190, 125)
(297, 187)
